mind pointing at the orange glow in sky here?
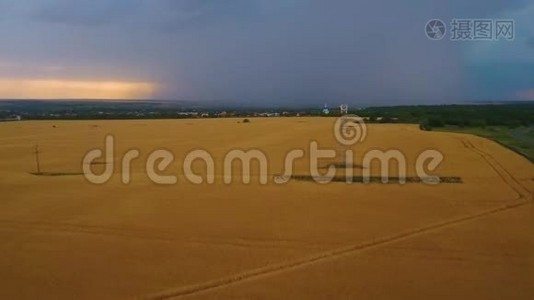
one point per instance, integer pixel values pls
(70, 89)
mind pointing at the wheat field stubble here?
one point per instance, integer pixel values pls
(63, 237)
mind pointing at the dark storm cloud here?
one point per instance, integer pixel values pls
(254, 51)
(164, 15)
(86, 13)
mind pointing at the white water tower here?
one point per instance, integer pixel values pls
(344, 109)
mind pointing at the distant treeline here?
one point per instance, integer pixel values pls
(511, 115)
(101, 110)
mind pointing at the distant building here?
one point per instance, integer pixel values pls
(11, 118)
(344, 109)
(326, 111)
(187, 114)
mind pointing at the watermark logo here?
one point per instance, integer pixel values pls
(435, 29)
(350, 129)
(472, 29)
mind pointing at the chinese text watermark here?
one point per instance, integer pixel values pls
(472, 29)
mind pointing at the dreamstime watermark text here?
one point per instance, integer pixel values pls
(349, 130)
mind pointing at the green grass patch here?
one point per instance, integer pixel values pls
(519, 140)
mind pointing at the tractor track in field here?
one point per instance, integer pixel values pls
(52, 227)
(155, 235)
(504, 174)
(524, 198)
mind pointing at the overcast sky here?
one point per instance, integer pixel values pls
(262, 51)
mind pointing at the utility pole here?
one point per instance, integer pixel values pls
(37, 159)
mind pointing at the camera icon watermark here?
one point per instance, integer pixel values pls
(435, 29)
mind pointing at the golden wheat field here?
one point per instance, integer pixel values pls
(63, 237)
